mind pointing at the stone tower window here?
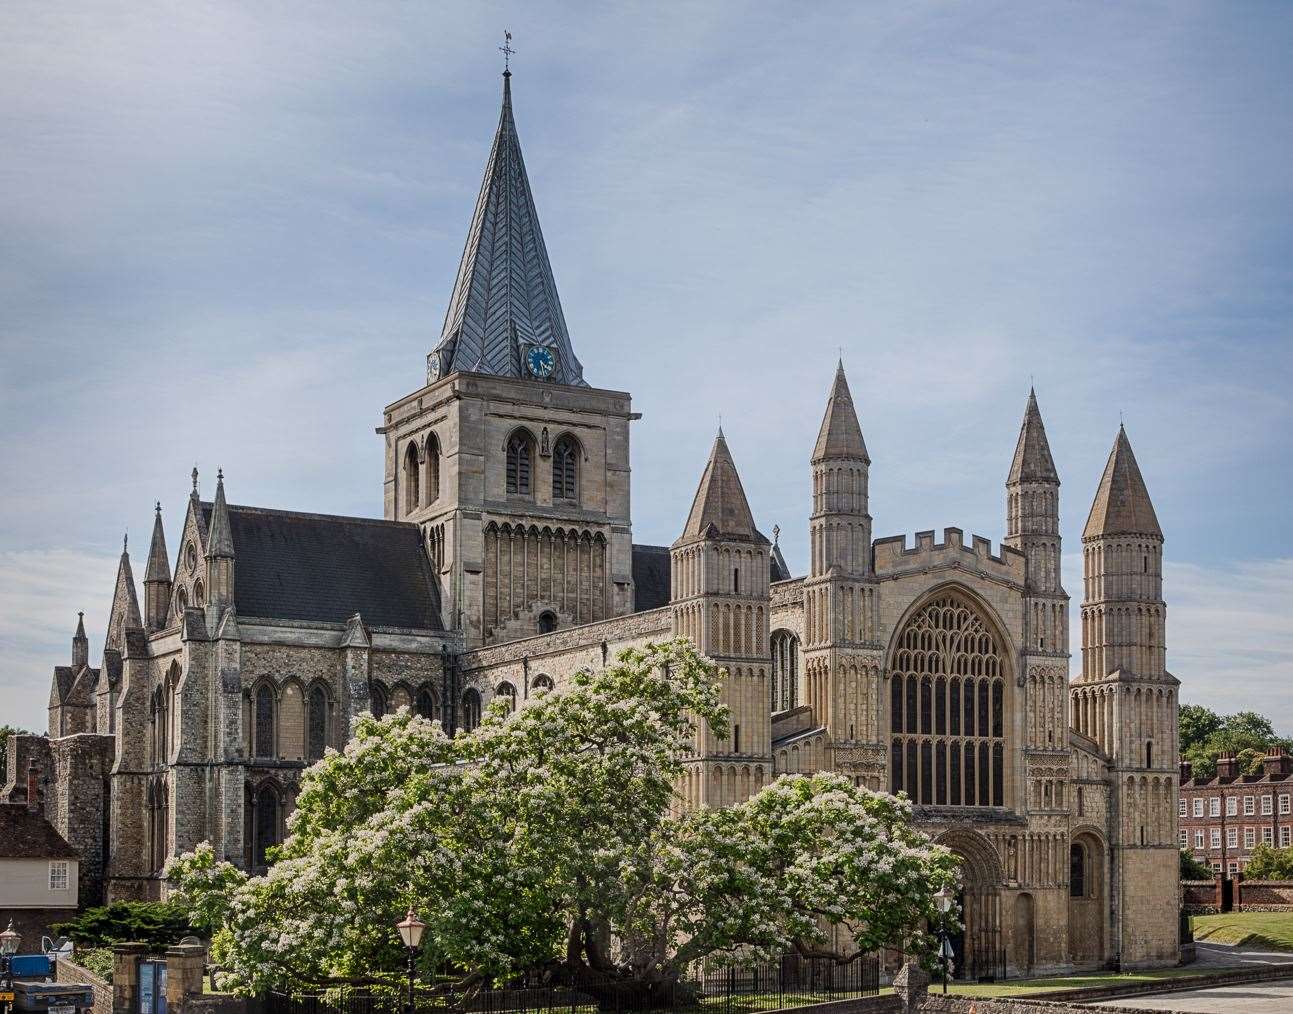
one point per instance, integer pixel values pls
(426, 704)
(264, 745)
(785, 670)
(520, 461)
(433, 468)
(377, 701)
(411, 492)
(508, 693)
(547, 622)
(948, 661)
(318, 722)
(470, 710)
(565, 469)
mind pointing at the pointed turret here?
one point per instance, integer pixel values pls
(125, 614)
(1122, 505)
(220, 551)
(80, 644)
(1033, 461)
(504, 301)
(840, 435)
(157, 579)
(720, 510)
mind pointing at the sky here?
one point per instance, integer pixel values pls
(228, 232)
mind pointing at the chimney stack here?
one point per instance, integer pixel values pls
(1276, 763)
(33, 786)
(1186, 768)
(1227, 766)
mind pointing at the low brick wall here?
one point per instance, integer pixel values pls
(1201, 897)
(68, 971)
(33, 923)
(1263, 895)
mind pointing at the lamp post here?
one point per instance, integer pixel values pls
(944, 901)
(411, 928)
(9, 941)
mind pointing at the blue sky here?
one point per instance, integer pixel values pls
(228, 233)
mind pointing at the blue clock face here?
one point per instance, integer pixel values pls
(541, 362)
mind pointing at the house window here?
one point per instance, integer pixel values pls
(1198, 807)
(1232, 837)
(58, 879)
(1268, 836)
(1214, 806)
(1198, 839)
(1232, 806)
(1286, 837)
(1250, 805)
(1284, 803)
(1185, 839)
(1214, 839)
(1268, 805)
(1181, 807)
(1233, 867)
(1250, 837)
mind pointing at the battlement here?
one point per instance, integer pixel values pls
(894, 558)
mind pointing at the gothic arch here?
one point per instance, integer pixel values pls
(567, 457)
(431, 451)
(519, 449)
(976, 601)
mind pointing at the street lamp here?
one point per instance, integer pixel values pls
(411, 928)
(944, 901)
(9, 941)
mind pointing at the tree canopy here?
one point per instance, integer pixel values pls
(1269, 863)
(1246, 734)
(551, 838)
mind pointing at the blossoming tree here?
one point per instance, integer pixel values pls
(545, 840)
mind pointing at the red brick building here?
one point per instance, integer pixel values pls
(1223, 818)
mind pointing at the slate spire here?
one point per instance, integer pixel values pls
(220, 539)
(1122, 505)
(720, 510)
(159, 568)
(1032, 461)
(80, 644)
(504, 299)
(840, 435)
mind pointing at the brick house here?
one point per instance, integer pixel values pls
(38, 870)
(1223, 818)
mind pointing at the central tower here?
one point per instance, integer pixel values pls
(516, 469)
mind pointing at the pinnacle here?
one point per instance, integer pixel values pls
(720, 509)
(1032, 461)
(1122, 505)
(158, 565)
(840, 435)
(220, 539)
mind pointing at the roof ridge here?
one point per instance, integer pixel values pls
(239, 508)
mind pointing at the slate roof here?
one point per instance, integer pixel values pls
(505, 297)
(26, 834)
(840, 435)
(1033, 461)
(295, 566)
(720, 509)
(1122, 505)
(651, 577)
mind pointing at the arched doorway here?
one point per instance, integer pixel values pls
(1087, 906)
(977, 949)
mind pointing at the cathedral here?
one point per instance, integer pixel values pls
(937, 666)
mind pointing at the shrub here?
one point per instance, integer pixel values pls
(97, 960)
(1192, 869)
(156, 923)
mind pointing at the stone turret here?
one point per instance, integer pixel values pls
(157, 578)
(80, 644)
(719, 599)
(220, 558)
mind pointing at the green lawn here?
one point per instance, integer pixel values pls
(1273, 930)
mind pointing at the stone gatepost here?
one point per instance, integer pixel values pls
(912, 986)
(185, 963)
(125, 977)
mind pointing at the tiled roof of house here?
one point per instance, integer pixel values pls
(26, 834)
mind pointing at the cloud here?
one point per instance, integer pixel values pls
(36, 587)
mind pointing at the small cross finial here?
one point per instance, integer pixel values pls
(195, 480)
(507, 51)
(125, 541)
(220, 476)
(157, 506)
(776, 534)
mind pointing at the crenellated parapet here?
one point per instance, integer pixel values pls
(894, 558)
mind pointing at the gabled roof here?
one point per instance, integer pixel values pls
(840, 435)
(1032, 461)
(321, 567)
(26, 834)
(720, 510)
(1122, 505)
(505, 298)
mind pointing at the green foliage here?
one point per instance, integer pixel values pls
(156, 923)
(5, 732)
(1269, 863)
(1192, 869)
(1205, 734)
(97, 960)
(545, 839)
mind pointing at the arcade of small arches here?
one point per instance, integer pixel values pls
(721, 569)
(1143, 718)
(420, 475)
(289, 720)
(558, 571)
(729, 784)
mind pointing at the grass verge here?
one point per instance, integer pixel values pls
(1265, 930)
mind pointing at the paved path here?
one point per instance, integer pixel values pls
(1228, 954)
(1244, 998)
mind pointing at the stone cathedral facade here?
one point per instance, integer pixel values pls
(935, 666)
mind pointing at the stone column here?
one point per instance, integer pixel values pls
(912, 986)
(125, 976)
(184, 965)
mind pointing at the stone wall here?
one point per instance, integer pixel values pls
(1201, 897)
(68, 971)
(1263, 895)
(33, 923)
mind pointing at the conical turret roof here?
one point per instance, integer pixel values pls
(159, 567)
(220, 539)
(504, 299)
(840, 435)
(720, 509)
(1122, 505)
(1033, 461)
(80, 628)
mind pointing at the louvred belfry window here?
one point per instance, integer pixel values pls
(565, 470)
(947, 708)
(519, 461)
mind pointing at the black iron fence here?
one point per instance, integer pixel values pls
(765, 986)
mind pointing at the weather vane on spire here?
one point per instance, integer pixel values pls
(507, 51)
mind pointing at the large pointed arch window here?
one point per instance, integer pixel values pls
(565, 469)
(520, 463)
(264, 722)
(947, 708)
(412, 491)
(318, 722)
(433, 468)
